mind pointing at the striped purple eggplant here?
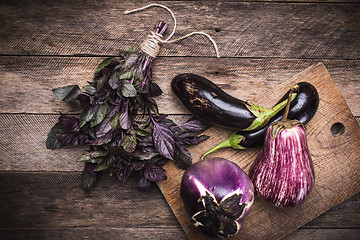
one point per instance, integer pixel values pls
(283, 172)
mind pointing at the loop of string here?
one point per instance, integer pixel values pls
(150, 45)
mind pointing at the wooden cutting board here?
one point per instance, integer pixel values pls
(334, 142)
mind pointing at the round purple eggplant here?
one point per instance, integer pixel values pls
(218, 195)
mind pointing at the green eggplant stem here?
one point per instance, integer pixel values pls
(262, 118)
(233, 141)
(264, 115)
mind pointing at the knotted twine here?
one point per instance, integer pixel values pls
(151, 46)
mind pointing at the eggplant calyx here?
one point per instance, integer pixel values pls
(279, 126)
(233, 141)
(219, 217)
(264, 115)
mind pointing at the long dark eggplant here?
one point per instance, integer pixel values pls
(209, 103)
(302, 108)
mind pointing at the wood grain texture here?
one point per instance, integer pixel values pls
(27, 81)
(51, 205)
(241, 29)
(48, 44)
(335, 158)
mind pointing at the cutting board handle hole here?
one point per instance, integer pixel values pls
(337, 129)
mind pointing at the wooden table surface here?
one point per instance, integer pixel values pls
(44, 45)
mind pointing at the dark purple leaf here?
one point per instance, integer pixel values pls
(107, 71)
(125, 171)
(143, 154)
(138, 165)
(103, 64)
(155, 90)
(155, 173)
(131, 60)
(101, 82)
(84, 99)
(87, 114)
(188, 139)
(114, 81)
(152, 106)
(163, 140)
(105, 125)
(128, 142)
(88, 176)
(99, 115)
(53, 141)
(74, 139)
(102, 140)
(144, 184)
(194, 125)
(124, 120)
(70, 123)
(182, 157)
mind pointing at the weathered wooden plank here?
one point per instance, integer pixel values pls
(241, 29)
(104, 233)
(51, 205)
(329, 234)
(26, 82)
(56, 200)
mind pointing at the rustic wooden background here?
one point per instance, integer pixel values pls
(49, 44)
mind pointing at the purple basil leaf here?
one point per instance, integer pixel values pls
(101, 82)
(194, 125)
(87, 114)
(74, 139)
(125, 171)
(103, 64)
(105, 126)
(174, 128)
(144, 184)
(131, 60)
(182, 157)
(155, 173)
(99, 115)
(53, 141)
(107, 71)
(128, 90)
(188, 139)
(163, 140)
(67, 93)
(124, 120)
(152, 106)
(103, 139)
(88, 176)
(138, 165)
(144, 154)
(70, 123)
(128, 142)
(114, 81)
(84, 99)
(89, 89)
(155, 90)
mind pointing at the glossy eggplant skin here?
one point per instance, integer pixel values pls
(302, 108)
(207, 102)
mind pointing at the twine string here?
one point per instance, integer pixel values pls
(150, 45)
